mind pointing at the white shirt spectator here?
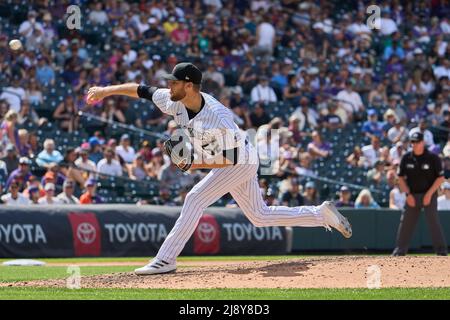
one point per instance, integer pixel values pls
(266, 35)
(215, 76)
(215, 3)
(114, 168)
(358, 28)
(260, 4)
(397, 133)
(44, 200)
(394, 154)
(353, 99)
(64, 199)
(127, 155)
(13, 97)
(370, 154)
(141, 27)
(312, 115)
(445, 26)
(441, 71)
(263, 94)
(129, 57)
(98, 17)
(399, 198)
(9, 201)
(443, 203)
(387, 26)
(27, 25)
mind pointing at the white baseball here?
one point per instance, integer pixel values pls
(15, 44)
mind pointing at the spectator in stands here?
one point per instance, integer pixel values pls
(70, 169)
(112, 113)
(108, 165)
(67, 197)
(365, 200)
(13, 94)
(345, 198)
(96, 151)
(31, 28)
(311, 195)
(44, 72)
(397, 151)
(372, 127)
(265, 37)
(397, 198)
(181, 35)
(84, 163)
(262, 92)
(49, 197)
(3, 176)
(377, 95)
(67, 115)
(49, 155)
(137, 171)
(33, 92)
(378, 173)
(444, 199)
(171, 175)
(125, 150)
(317, 148)
(307, 116)
(258, 116)
(28, 116)
(398, 132)
(98, 15)
(24, 145)
(331, 120)
(292, 91)
(372, 152)
(21, 174)
(11, 159)
(9, 132)
(90, 196)
(213, 74)
(154, 33)
(350, 101)
(427, 135)
(33, 195)
(293, 196)
(156, 163)
(14, 197)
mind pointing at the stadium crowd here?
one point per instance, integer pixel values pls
(315, 71)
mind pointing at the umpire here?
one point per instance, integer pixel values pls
(420, 175)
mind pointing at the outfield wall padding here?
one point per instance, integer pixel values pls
(374, 229)
(127, 230)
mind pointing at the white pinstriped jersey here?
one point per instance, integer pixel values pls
(212, 128)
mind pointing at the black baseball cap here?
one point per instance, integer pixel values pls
(416, 136)
(185, 71)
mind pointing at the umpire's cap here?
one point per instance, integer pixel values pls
(185, 71)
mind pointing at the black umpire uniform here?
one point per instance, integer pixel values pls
(420, 172)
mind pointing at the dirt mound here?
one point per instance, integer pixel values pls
(327, 272)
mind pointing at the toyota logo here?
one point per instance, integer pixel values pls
(86, 233)
(206, 232)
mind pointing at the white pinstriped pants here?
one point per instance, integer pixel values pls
(242, 182)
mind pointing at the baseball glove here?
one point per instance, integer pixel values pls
(180, 151)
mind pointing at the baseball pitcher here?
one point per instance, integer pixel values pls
(215, 142)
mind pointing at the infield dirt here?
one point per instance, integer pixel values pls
(323, 272)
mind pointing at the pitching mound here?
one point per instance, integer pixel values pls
(334, 272)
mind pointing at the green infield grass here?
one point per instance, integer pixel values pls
(15, 274)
